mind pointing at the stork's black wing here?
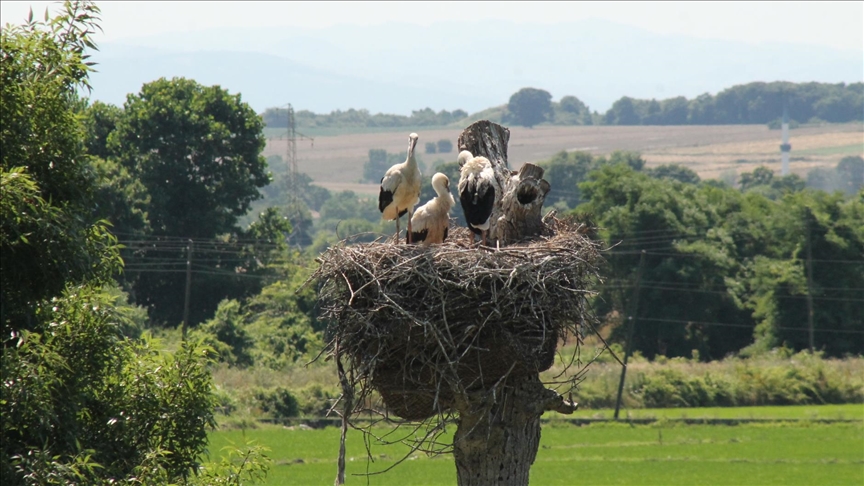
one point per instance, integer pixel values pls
(385, 197)
(477, 201)
(418, 236)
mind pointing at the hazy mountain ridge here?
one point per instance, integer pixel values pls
(397, 68)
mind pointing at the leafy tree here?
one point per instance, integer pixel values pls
(50, 237)
(376, 166)
(676, 172)
(756, 102)
(685, 269)
(445, 146)
(530, 106)
(431, 147)
(571, 111)
(761, 176)
(850, 171)
(82, 403)
(100, 119)
(623, 112)
(566, 170)
(120, 198)
(380, 160)
(197, 150)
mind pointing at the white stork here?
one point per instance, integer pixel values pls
(477, 188)
(432, 220)
(400, 189)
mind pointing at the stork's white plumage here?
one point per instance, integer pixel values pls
(400, 189)
(477, 188)
(432, 220)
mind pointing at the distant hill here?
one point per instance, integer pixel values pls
(397, 68)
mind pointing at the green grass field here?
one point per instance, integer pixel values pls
(795, 449)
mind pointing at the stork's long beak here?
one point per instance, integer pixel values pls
(412, 142)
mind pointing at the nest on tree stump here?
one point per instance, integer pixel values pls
(425, 325)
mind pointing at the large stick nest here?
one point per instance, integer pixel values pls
(424, 325)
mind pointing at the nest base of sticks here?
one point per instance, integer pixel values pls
(423, 325)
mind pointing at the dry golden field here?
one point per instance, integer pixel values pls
(336, 162)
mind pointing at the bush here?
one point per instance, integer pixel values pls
(315, 401)
(444, 146)
(278, 402)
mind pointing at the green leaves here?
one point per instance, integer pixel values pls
(725, 270)
(197, 151)
(530, 106)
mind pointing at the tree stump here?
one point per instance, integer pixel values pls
(516, 214)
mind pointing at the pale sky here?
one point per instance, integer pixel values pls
(833, 24)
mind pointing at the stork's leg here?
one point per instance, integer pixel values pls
(484, 237)
(397, 225)
(409, 226)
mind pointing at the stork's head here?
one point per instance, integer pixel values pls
(464, 156)
(441, 181)
(412, 142)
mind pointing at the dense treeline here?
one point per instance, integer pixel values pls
(724, 270)
(278, 118)
(752, 103)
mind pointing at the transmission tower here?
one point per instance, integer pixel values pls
(291, 136)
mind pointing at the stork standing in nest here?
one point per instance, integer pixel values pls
(432, 220)
(477, 188)
(400, 189)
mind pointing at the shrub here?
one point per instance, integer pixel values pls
(278, 402)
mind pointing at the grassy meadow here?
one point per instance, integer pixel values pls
(792, 449)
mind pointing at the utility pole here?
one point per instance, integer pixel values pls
(189, 250)
(629, 342)
(809, 281)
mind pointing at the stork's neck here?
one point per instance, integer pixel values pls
(444, 196)
(410, 160)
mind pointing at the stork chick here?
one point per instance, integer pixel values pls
(477, 188)
(400, 189)
(432, 220)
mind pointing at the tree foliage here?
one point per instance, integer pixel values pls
(82, 402)
(726, 269)
(305, 119)
(50, 237)
(750, 103)
(197, 150)
(530, 106)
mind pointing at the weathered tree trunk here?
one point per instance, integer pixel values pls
(516, 214)
(498, 431)
(498, 435)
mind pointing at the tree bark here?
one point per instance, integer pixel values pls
(516, 214)
(498, 433)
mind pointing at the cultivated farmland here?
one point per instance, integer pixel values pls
(716, 151)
